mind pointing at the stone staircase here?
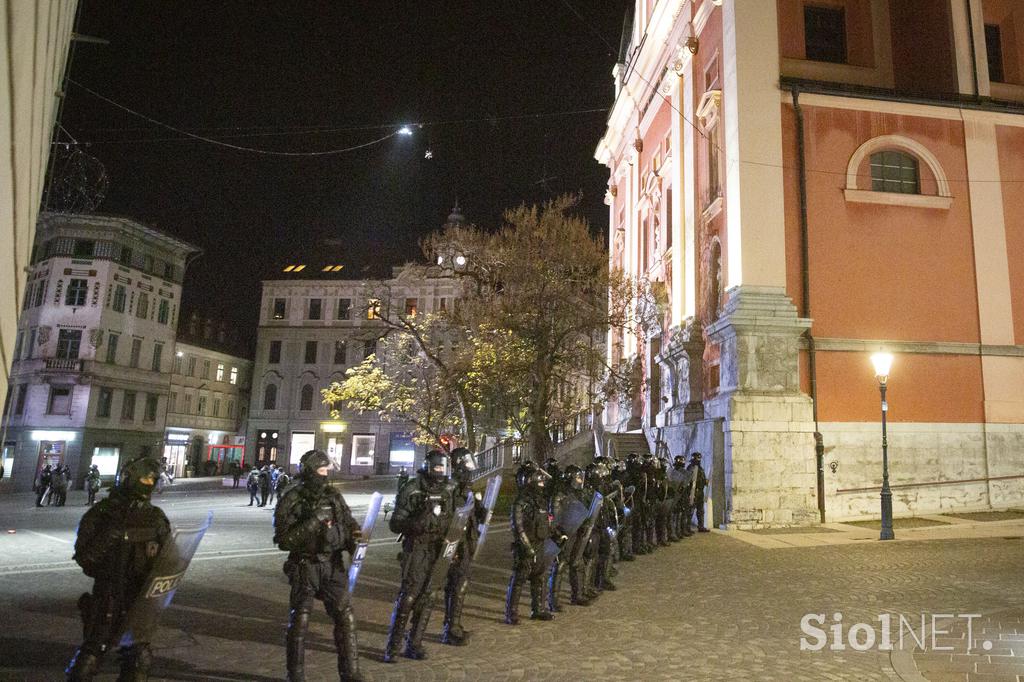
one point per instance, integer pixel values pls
(621, 444)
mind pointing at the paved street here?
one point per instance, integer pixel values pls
(713, 607)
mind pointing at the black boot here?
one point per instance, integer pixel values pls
(538, 608)
(135, 662)
(295, 646)
(578, 598)
(413, 643)
(399, 617)
(453, 633)
(512, 601)
(555, 587)
(83, 666)
(347, 645)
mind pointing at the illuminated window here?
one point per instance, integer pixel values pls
(234, 376)
(279, 308)
(373, 309)
(893, 171)
(220, 371)
(410, 307)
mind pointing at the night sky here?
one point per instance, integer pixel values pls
(285, 76)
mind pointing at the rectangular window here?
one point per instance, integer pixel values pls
(279, 308)
(206, 369)
(191, 366)
(274, 354)
(825, 34)
(26, 302)
(151, 403)
(31, 343)
(176, 367)
(142, 309)
(126, 256)
(17, 344)
(103, 402)
(168, 271)
(19, 404)
(369, 348)
(234, 376)
(373, 309)
(231, 409)
(668, 218)
(172, 405)
(112, 340)
(68, 342)
(163, 313)
(220, 371)
(76, 293)
(315, 308)
(158, 351)
(148, 263)
(344, 308)
(60, 400)
(188, 404)
(994, 52)
(340, 352)
(40, 292)
(310, 352)
(106, 458)
(403, 450)
(216, 407)
(128, 406)
(410, 307)
(201, 411)
(362, 451)
(133, 361)
(119, 298)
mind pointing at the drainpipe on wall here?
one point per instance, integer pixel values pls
(805, 290)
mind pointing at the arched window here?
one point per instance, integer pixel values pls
(895, 171)
(270, 397)
(306, 398)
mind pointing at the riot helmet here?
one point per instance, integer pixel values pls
(463, 464)
(523, 473)
(696, 457)
(572, 477)
(538, 480)
(436, 465)
(138, 477)
(679, 461)
(311, 462)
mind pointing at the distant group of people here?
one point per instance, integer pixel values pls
(265, 483)
(52, 485)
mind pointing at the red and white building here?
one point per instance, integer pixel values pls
(806, 182)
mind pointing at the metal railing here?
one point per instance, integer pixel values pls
(64, 364)
(503, 454)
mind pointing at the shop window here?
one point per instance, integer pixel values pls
(362, 450)
(893, 171)
(825, 34)
(106, 458)
(76, 292)
(403, 450)
(270, 397)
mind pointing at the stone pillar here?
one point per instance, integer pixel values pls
(682, 361)
(768, 423)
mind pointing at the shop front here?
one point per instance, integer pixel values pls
(176, 452)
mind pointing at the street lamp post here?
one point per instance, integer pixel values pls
(882, 363)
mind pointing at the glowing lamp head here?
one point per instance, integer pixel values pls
(882, 363)
(405, 130)
(460, 260)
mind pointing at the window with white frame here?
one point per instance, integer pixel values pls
(362, 450)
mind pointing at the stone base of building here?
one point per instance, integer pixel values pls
(933, 468)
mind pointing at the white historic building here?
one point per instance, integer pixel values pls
(94, 345)
(314, 326)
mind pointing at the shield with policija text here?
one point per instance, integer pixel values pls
(456, 534)
(364, 541)
(490, 498)
(162, 582)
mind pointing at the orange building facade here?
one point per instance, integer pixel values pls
(805, 183)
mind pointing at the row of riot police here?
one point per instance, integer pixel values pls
(581, 521)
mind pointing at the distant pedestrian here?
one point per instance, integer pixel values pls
(283, 480)
(92, 483)
(59, 484)
(274, 473)
(252, 484)
(43, 484)
(263, 480)
(236, 473)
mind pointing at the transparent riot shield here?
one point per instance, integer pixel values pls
(162, 582)
(369, 521)
(490, 498)
(456, 534)
(571, 515)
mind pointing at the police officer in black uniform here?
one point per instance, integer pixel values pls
(569, 488)
(698, 482)
(118, 540)
(531, 527)
(679, 491)
(423, 512)
(314, 525)
(457, 582)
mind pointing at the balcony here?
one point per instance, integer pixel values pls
(63, 364)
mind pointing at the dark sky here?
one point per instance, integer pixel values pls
(227, 70)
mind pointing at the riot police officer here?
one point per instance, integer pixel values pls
(531, 527)
(621, 477)
(423, 512)
(457, 582)
(314, 525)
(677, 479)
(698, 482)
(570, 557)
(118, 540)
(637, 476)
(599, 478)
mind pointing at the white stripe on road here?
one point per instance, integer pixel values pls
(48, 537)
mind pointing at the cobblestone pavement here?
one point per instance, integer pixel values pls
(708, 608)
